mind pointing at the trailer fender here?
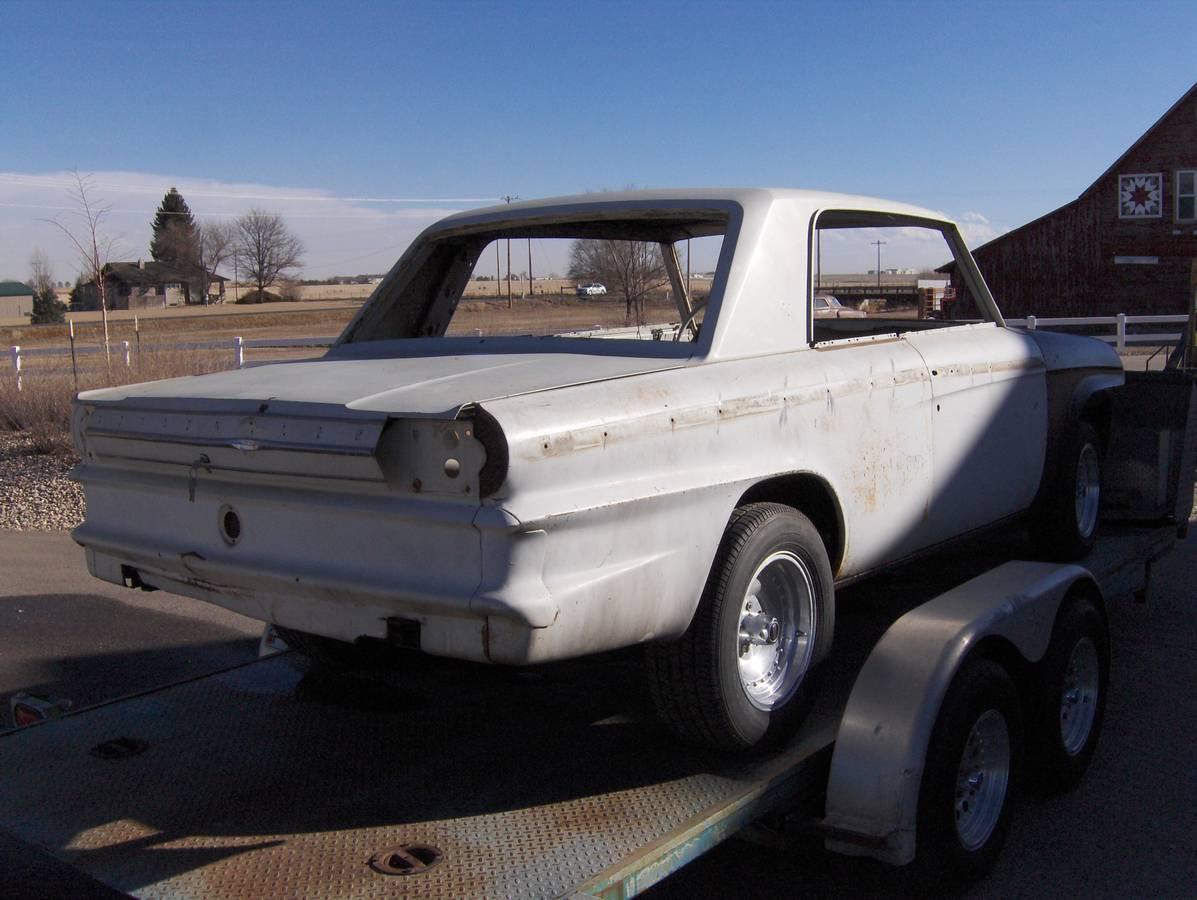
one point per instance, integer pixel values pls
(877, 763)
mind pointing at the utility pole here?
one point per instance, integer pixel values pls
(879, 243)
(530, 291)
(818, 260)
(498, 273)
(507, 198)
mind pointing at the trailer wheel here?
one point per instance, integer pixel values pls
(1074, 676)
(1066, 526)
(971, 773)
(742, 672)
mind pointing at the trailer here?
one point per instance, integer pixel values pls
(951, 680)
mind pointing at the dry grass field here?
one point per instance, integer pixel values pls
(154, 330)
(551, 301)
(41, 408)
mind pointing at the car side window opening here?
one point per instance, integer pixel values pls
(874, 274)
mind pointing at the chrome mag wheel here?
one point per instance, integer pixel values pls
(776, 634)
(1088, 490)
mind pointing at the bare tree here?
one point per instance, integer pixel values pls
(93, 248)
(40, 276)
(633, 269)
(266, 248)
(214, 246)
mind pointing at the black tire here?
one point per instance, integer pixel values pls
(696, 681)
(955, 842)
(1062, 529)
(319, 649)
(1073, 679)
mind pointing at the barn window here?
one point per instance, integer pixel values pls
(1186, 196)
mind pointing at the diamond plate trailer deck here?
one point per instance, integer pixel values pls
(260, 781)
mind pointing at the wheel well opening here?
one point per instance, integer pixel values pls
(1098, 412)
(812, 497)
(1083, 590)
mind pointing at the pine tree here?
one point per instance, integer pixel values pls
(47, 308)
(174, 230)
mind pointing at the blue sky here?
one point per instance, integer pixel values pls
(991, 112)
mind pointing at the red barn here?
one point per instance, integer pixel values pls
(1128, 243)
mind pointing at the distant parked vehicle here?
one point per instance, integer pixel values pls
(828, 307)
(594, 289)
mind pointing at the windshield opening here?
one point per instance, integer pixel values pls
(639, 279)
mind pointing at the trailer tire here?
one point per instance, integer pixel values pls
(743, 673)
(1073, 681)
(970, 777)
(1065, 527)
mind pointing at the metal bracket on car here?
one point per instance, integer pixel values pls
(202, 463)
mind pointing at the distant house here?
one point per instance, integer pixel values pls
(149, 285)
(1128, 243)
(16, 300)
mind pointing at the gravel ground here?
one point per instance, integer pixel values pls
(35, 493)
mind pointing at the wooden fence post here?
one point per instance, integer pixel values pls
(15, 353)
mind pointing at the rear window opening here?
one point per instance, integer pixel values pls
(642, 279)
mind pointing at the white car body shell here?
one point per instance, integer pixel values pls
(625, 459)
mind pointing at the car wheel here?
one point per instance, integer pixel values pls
(1066, 527)
(742, 672)
(320, 649)
(969, 778)
(1073, 678)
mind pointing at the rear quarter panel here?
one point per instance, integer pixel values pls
(634, 480)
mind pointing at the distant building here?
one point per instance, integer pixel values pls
(1128, 243)
(148, 285)
(16, 300)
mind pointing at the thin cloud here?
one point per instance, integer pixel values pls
(367, 232)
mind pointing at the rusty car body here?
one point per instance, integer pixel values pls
(519, 499)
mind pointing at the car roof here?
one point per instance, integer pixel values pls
(578, 205)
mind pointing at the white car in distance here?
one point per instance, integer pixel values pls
(452, 479)
(828, 307)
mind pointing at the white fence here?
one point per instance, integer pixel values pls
(1120, 338)
(237, 345)
(122, 352)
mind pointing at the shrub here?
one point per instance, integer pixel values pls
(256, 297)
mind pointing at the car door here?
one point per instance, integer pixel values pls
(871, 431)
(989, 430)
